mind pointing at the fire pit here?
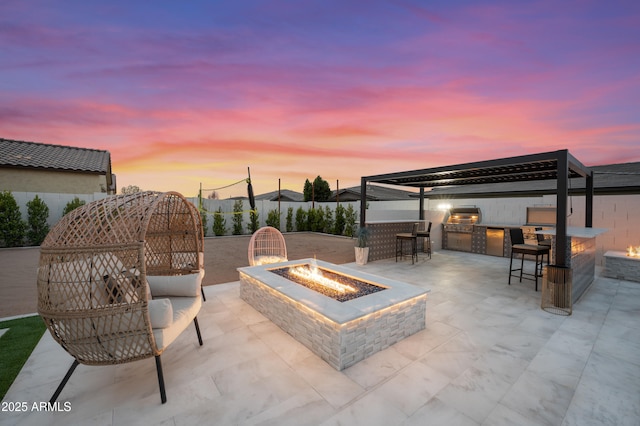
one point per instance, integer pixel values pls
(340, 332)
(337, 286)
(622, 265)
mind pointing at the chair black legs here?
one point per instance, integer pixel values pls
(510, 267)
(426, 245)
(56, 394)
(538, 267)
(195, 321)
(163, 393)
(204, 298)
(414, 248)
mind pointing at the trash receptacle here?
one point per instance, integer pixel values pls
(556, 290)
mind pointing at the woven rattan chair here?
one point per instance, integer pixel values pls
(100, 266)
(267, 245)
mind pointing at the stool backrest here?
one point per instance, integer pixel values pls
(540, 237)
(517, 237)
(414, 230)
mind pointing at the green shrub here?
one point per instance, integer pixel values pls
(72, 205)
(38, 213)
(289, 219)
(219, 223)
(301, 220)
(237, 218)
(338, 227)
(350, 221)
(362, 234)
(254, 224)
(315, 220)
(328, 220)
(204, 219)
(311, 219)
(12, 227)
(273, 219)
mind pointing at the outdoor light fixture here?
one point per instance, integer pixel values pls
(444, 207)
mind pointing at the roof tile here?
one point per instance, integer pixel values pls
(45, 156)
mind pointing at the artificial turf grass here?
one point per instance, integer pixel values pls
(15, 347)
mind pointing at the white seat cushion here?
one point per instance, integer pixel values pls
(160, 313)
(185, 310)
(265, 260)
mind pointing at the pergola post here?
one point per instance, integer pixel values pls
(421, 213)
(562, 193)
(588, 217)
(363, 202)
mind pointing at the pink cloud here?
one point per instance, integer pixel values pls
(299, 91)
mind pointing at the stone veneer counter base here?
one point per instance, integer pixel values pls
(341, 333)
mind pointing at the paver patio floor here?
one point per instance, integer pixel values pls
(489, 355)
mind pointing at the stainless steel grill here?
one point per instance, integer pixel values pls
(462, 219)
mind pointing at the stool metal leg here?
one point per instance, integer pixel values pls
(510, 267)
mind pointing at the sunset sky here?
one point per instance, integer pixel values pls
(184, 93)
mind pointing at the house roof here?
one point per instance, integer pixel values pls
(374, 193)
(285, 195)
(32, 155)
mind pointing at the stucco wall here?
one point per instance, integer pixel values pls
(23, 180)
(619, 214)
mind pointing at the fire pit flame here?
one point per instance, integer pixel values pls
(315, 275)
(633, 251)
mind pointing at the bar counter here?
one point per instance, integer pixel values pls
(580, 254)
(382, 237)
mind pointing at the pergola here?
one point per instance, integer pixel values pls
(557, 165)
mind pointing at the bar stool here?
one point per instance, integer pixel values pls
(542, 241)
(426, 234)
(519, 247)
(412, 238)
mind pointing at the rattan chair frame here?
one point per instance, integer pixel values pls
(266, 241)
(125, 237)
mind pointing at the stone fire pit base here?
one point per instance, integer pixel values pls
(620, 266)
(341, 333)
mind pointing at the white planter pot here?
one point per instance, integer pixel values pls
(362, 255)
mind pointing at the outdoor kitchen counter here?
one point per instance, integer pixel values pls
(576, 231)
(580, 256)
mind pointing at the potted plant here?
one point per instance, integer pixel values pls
(362, 248)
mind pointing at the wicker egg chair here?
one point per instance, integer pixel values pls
(97, 267)
(267, 245)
